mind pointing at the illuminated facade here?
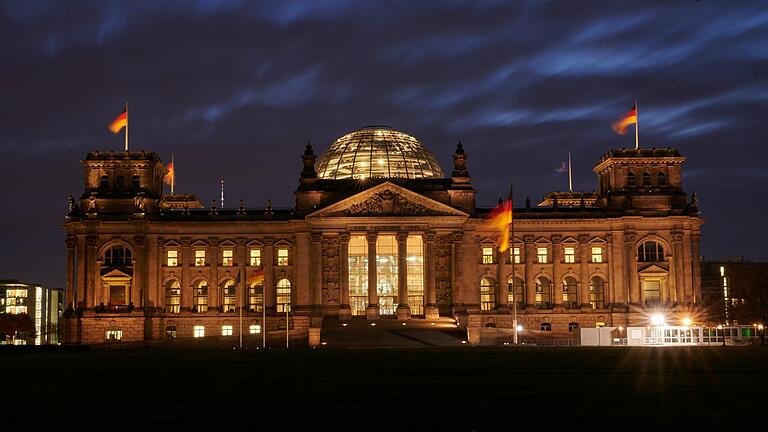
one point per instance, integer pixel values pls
(43, 305)
(377, 231)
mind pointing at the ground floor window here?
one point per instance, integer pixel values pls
(114, 335)
(283, 295)
(254, 329)
(487, 294)
(226, 330)
(170, 332)
(572, 327)
(256, 297)
(546, 327)
(198, 331)
(596, 293)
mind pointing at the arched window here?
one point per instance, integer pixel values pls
(570, 299)
(543, 293)
(228, 295)
(596, 292)
(173, 296)
(104, 182)
(546, 327)
(631, 181)
(646, 179)
(487, 294)
(200, 296)
(573, 326)
(117, 256)
(256, 296)
(650, 251)
(120, 182)
(135, 182)
(661, 179)
(516, 293)
(283, 295)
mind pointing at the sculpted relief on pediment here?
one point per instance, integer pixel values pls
(386, 202)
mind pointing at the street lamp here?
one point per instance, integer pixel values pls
(720, 327)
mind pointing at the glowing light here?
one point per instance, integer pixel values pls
(373, 324)
(621, 328)
(720, 327)
(760, 327)
(344, 325)
(686, 321)
(381, 161)
(519, 327)
(403, 323)
(323, 343)
(463, 342)
(657, 320)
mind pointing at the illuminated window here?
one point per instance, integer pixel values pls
(597, 254)
(515, 252)
(570, 299)
(543, 292)
(114, 335)
(570, 254)
(170, 332)
(173, 297)
(387, 273)
(516, 292)
(283, 299)
(255, 258)
(541, 255)
(198, 331)
(256, 296)
(228, 295)
(200, 296)
(651, 290)
(546, 327)
(117, 256)
(226, 330)
(487, 294)
(254, 329)
(282, 257)
(487, 255)
(358, 274)
(415, 273)
(650, 251)
(172, 258)
(199, 258)
(227, 257)
(596, 292)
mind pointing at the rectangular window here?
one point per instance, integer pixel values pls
(255, 329)
(282, 257)
(358, 274)
(227, 257)
(199, 258)
(255, 258)
(117, 294)
(514, 253)
(541, 255)
(114, 335)
(415, 274)
(173, 258)
(487, 255)
(226, 330)
(597, 254)
(570, 254)
(198, 331)
(255, 297)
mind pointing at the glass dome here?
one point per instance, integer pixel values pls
(377, 151)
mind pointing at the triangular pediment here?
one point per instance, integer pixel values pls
(653, 269)
(115, 273)
(387, 199)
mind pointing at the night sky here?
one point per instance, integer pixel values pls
(235, 89)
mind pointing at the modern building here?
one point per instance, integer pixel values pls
(44, 305)
(735, 291)
(379, 230)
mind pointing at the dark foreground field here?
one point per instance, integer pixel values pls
(387, 389)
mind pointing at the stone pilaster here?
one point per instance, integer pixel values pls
(212, 259)
(695, 295)
(676, 269)
(502, 299)
(186, 260)
(630, 254)
(403, 309)
(557, 271)
(530, 259)
(457, 267)
(372, 311)
(584, 261)
(269, 278)
(316, 270)
(139, 295)
(241, 257)
(431, 311)
(92, 269)
(345, 312)
(71, 271)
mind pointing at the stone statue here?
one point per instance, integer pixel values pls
(694, 200)
(138, 203)
(72, 205)
(92, 203)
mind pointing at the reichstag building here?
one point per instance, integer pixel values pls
(379, 230)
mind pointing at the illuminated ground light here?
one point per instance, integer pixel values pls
(687, 322)
(519, 327)
(657, 319)
(373, 324)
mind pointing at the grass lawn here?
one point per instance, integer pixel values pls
(465, 388)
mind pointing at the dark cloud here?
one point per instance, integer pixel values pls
(234, 89)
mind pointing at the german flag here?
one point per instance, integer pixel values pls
(499, 219)
(170, 177)
(620, 125)
(119, 122)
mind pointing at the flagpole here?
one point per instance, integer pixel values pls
(126, 127)
(514, 279)
(637, 127)
(263, 318)
(222, 194)
(570, 179)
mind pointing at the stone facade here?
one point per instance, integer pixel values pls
(142, 263)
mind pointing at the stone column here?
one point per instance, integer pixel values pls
(212, 259)
(92, 274)
(241, 300)
(584, 260)
(695, 294)
(82, 268)
(633, 288)
(403, 309)
(139, 295)
(71, 271)
(431, 312)
(557, 271)
(610, 284)
(152, 278)
(269, 282)
(502, 301)
(457, 267)
(676, 269)
(372, 311)
(316, 269)
(186, 285)
(530, 283)
(345, 312)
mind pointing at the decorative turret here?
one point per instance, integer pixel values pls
(308, 173)
(462, 194)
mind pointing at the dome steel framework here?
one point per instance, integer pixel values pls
(377, 151)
